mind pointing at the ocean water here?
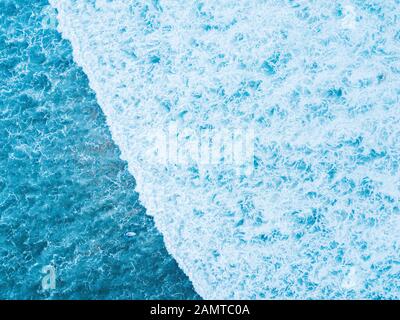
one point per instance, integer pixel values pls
(315, 213)
(67, 200)
(89, 88)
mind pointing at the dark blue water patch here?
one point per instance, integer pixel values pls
(66, 199)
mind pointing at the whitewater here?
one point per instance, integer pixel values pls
(318, 82)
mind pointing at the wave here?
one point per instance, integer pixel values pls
(313, 211)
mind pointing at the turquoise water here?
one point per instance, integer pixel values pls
(313, 212)
(66, 199)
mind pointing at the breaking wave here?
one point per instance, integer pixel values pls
(317, 216)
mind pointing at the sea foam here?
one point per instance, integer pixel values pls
(318, 82)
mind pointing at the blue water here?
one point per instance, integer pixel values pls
(314, 211)
(66, 198)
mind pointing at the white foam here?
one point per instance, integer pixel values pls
(319, 207)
